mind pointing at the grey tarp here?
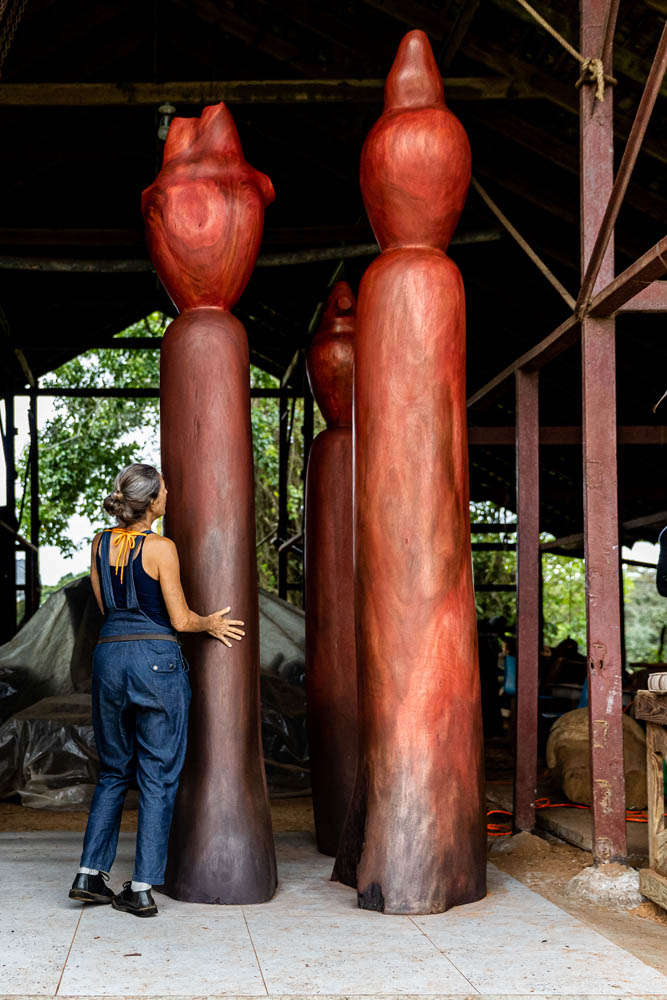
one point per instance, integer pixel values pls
(47, 748)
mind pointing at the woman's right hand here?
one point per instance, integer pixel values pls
(223, 628)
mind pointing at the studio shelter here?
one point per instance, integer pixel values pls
(561, 246)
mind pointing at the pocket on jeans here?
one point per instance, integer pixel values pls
(162, 657)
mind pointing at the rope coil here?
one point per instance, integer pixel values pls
(592, 68)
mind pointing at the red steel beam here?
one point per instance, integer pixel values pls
(648, 434)
(635, 290)
(651, 299)
(601, 536)
(632, 281)
(527, 595)
(628, 160)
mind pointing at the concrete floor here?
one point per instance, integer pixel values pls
(310, 940)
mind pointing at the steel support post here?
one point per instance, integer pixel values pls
(601, 539)
(283, 463)
(7, 544)
(34, 595)
(527, 595)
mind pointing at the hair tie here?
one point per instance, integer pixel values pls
(118, 495)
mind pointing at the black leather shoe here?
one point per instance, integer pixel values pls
(91, 888)
(140, 903)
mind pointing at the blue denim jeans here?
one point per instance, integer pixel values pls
(141, 697)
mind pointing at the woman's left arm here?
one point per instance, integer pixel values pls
(94, 575)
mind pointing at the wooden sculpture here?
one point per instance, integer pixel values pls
(204, 216)
(331, 668)
(415, 839)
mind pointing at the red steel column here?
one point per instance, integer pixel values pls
(527, 595)
(204, 218)
(601, 538)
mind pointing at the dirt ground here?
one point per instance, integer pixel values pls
(544, 864)
(547, 865)
(289, 815)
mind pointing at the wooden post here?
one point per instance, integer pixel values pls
(331, 663)
(651, 707)
(601, 538)
(418, 813)
(204, 218)
(527, 595)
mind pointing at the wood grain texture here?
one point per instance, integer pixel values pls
(331, 665)
(221, 847)
(656, 753)
(204, 217)
(204, 213)
(415, 837)
(651, 706)
(654, 886)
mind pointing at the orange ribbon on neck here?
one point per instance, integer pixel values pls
(124, 542)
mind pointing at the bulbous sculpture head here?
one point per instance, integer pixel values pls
(415, 164)
(330, 358)
(204, 213)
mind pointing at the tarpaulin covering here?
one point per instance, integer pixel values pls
(47, 747)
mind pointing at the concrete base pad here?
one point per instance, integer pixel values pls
(310, 940)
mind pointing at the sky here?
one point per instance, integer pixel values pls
(54, 566)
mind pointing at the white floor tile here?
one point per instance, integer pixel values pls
(514, 941)
(34, 944)
(353, 952)
(310, 940)
(187, 950)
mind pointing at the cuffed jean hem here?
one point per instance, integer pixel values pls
(157, 880)
(93, 864)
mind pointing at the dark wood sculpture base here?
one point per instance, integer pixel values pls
(331, 688)
(221, 848)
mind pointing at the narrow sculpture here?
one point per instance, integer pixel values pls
(331, 668)
(204, 217)
(415, 837)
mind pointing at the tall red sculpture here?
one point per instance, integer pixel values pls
(331, 666)
(204, 216)
(415, 841)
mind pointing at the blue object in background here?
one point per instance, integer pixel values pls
(509, 682)
(583, 700)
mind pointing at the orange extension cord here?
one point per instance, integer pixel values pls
(504, 828)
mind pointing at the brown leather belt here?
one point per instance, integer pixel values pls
(143, 635)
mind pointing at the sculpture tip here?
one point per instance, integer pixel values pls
(341, 301)
(414, 79)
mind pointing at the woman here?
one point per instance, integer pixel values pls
(141, 692)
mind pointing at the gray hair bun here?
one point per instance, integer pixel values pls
(134, 489)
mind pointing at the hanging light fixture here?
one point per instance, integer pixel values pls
(166, 112)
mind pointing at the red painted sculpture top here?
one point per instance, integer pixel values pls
(204, 212)
(415, 164)
(331, 357)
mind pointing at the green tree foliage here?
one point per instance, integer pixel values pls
(85, 442)
(645, 617)
(564, 594)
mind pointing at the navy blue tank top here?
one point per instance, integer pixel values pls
(149, 592)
